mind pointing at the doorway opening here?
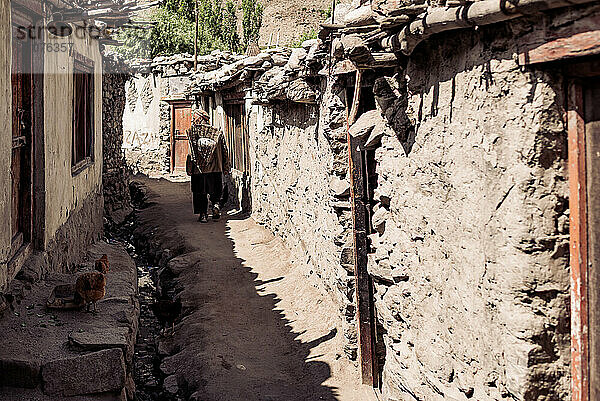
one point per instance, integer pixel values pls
(181, 122)
(363, 177)
(21, 170)
(236, 131)
(583, 121)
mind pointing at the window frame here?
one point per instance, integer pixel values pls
(83, 66)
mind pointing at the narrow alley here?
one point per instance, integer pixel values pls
(300, 200)
(253, 326)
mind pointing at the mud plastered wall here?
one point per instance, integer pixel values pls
(147, 121)
(74, 202)
(471, 266)
(146, 146)
(300, 192)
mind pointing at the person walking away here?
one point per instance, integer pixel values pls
(206, 164)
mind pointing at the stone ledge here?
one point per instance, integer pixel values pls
(53, 344)
(96, 372)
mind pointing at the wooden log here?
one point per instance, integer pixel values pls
(390, 8)
(332, 27)
(376, 36)
(380, 60)
(580, 38)
(360, 29)
(483, 12)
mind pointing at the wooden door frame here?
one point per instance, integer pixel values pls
(564, 48)
(175, 103)
(237, 99)
(578, 243)
(37, 175)
(363, 293)
(579, 228)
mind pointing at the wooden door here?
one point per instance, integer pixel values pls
(180, 148)
(237, 136)
(21, 79)
(591, 98)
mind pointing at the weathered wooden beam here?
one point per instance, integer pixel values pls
(360, 29)
(359, 205)
(578, 245)
(394, 21)
(380, 60)
(580, 38)
(482, 12)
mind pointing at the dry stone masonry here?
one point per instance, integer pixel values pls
(115, 172)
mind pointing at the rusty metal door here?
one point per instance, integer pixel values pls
(181, 122)
(21, 79)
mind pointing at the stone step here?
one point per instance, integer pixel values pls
(96, 372)
(19, 373)
(69, 354)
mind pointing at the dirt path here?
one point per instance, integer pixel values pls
(255, 328)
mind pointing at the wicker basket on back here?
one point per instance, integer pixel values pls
(203, 139)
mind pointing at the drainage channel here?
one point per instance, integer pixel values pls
(147, 374)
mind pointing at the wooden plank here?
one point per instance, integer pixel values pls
(38, 151)
(172, 138)
(359, 201)
(581, 38)
(592, 138)
(30, 6)
(578, 246)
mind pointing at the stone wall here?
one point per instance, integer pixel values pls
(467, 159)
(146, 125)
(115, 174)
(147, 116)
(83, 227)
(299, 191)
(471, 260)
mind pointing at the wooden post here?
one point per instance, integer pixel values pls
(196, 36)
(359, 200)
(578, 246)
(333, 11)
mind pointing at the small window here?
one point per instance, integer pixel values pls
(83, 113)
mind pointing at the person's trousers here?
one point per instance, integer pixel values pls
(204, 185)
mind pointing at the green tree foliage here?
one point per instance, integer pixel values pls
(252, 12)
(311, 34)
(175, 28)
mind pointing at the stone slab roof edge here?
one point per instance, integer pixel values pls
(478, 13)
(274, 74)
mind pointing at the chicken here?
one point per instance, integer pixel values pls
(102, 264)
(91, 287)
(167, 311)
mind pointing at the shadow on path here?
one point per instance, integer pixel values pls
(234, 342)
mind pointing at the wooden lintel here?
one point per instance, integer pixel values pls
(581, 38)
(380, 60)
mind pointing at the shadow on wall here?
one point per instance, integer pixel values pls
(235, 344)
(239, 196)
